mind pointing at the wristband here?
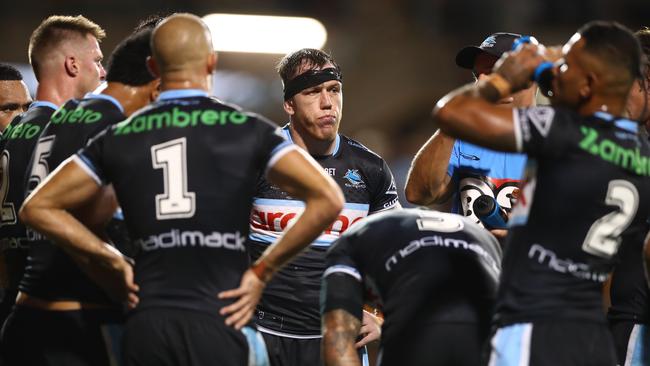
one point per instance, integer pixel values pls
(262, 270)
(500, 84)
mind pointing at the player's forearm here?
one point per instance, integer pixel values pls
(340, 330)
(67, 232)
(320, 212)
(427, 181)
(470, 113)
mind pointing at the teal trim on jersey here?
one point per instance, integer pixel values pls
(43, 103)
(269, 239)
(257, 354)
(295, 203)
(105, 97)
(623, 123)
(182, 93)
(337, 142)
(508, 345)
(640, 353)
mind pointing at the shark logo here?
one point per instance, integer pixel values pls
(489, 42)
(353, 176)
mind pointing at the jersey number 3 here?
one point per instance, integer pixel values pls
(604, 236)
(175, 202)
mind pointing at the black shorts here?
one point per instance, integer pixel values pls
(551, 343)
(435, 344)
(632, 342)
(165, 336)
(285, 351)
(67, 338)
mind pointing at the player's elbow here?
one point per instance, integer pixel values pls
(29, 212)
(415, 194)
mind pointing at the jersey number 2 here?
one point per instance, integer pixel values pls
(175, 202)
(7, 211)
(603, 237)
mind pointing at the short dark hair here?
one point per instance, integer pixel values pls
(149, 22)
(615, 45)
(290, 64)
(55, 29)
(643, 35)
(128, 62)
(8, 72)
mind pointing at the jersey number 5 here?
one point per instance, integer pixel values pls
(175, 202)
(603, 237)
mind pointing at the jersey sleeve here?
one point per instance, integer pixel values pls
(272, 144)
(342, 286)
(543, 131)
(91, 158)
(385, 194)
(454, 159)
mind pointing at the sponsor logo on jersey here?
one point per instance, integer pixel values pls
(182, 239)
(548, 258)
(439, 241)
(330, 171)
(354, 179)
(14, 243)
(21, 131)
(77, 115)
(270, 217)
(611, 152)
(176, 118)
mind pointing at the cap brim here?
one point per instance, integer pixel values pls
(466, 57)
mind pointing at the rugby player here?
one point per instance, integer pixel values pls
(585, 194)
(65, 56)
(628, 314)
(14, 96)
(434, 274)
(184, 171)
(446, 169)
(50, 275)
(288, 315)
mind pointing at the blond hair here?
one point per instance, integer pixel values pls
(55, 30)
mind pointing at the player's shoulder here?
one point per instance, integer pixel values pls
(357, 150)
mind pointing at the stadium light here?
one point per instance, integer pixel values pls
(264, 34)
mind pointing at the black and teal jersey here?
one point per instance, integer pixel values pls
(419, 267)
(289, 305)
(19, 140)
(50, 273)
(586, 194)
(184, 170)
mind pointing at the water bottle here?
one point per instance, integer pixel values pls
(490, 213)
(543, 74)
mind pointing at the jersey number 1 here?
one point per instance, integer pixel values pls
(604, 236)
(175, 202)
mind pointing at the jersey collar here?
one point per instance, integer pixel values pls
(182, 93)
(105, 97)
(43, 103)
(623, 123)
(287, 134)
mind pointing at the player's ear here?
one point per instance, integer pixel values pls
(154, 89)
(212, 62)
(588, 86)
(288, 106)
(152, 66)
(71, 66)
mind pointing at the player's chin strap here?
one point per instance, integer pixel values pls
(310, 79)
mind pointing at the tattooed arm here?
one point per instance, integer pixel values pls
(340, 330)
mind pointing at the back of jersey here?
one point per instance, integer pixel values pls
(586, 193)
(50, 273)
(184, 170)
(422, 267)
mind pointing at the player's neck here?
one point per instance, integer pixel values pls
(55, 92)
(612, 106)
(311, 145)
(185, 80)
(131, 98)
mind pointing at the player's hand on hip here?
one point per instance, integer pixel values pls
(370, 329)
(117, 280)
(248, 295)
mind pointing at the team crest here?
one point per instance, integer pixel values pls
(354, 178)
